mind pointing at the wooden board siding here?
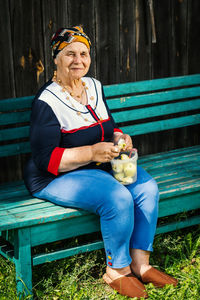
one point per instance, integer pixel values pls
(122, 51)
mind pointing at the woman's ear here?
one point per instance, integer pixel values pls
(55, 61)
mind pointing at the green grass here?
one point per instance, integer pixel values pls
(80, 277)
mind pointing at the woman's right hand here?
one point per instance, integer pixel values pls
(104, 152)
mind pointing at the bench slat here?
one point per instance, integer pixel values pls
(155, 111)
(181, 204)
(153, 98)
(15, 117)
(16, 103)
(169, 191)
(14, 133)
(178, 225)
(46, 215)
(151, 85)
(161, 125)
(25, 209)
(189, 151)
(19, 191)
(14, 149)
(42, 258)
(7, 205)
(172, 161)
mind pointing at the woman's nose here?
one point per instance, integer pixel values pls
(77, 59)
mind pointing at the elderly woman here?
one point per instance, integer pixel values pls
(73, 139)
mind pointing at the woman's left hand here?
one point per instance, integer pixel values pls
(128, 141)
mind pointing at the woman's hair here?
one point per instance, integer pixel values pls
(65, 36)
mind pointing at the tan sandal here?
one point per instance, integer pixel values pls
(158, 278)
(127, 285)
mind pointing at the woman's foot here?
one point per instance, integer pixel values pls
(148, 274)
(158, 278)
(116, 273)
(140, 269)
(126, 285)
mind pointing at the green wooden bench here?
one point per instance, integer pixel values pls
(141, 108)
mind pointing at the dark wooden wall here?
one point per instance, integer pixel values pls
(121, 35)
(123, 49)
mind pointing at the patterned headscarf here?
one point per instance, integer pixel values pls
(66, 36)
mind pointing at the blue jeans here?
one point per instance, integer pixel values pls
(128, 214)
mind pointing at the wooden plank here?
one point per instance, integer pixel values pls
(7, 76)
(8, 185)
(153, 98)
(178, 225)
(18, 204)
(142, 42)
(194, 150)
(179, 59)
(156, 111)
(14, 149)
(193, 44)
(26, 209)
(23, 261)
(18, 193)
(43, 258)
(151, 85)
(107, 44)
(46, 215)
(15, 117)
(178, 190)
(65, 228)
(161, 57)
(183, 203)
(127, 41)
(161, 125)
(15, 103)
(54, 16)
(28, 45)
(14, 133)
(83, 13)
(178, 159)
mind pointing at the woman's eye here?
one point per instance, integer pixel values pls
(84, 54)
(70, 54)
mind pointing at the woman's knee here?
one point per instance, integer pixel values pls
(119, 201)
(151, 196)
(152, 188)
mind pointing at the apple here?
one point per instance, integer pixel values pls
(130, 169)
(124, 157)
(121, 144)
(119, 176)
(117, 168)
(127, 180)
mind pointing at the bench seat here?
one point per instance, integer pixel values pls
(177, 173)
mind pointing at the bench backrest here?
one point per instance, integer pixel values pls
(138, 107)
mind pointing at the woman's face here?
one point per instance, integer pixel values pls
(73, 61)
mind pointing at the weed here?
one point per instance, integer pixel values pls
(80, 277)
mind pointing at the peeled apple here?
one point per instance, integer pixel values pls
(129, 169)
(127, 180)
(121, 144)
(118, 168)
(119, 176)
(124, 157)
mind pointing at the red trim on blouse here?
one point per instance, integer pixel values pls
(55, 159)
(118, 130)
(83, 127)
(98, 120)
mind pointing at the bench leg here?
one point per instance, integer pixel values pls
(23, 263)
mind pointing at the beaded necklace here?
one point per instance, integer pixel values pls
(68, 98)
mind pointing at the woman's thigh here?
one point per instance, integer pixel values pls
(144, 189)
(89, 189)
